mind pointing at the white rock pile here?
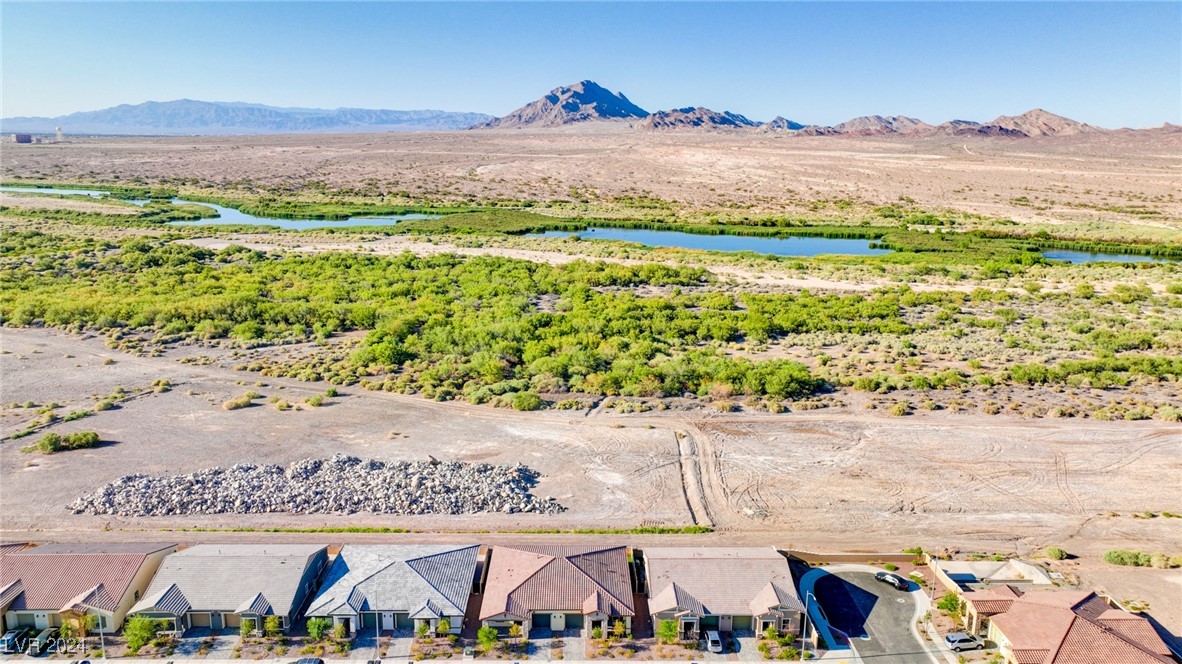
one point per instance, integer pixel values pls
(342, 484)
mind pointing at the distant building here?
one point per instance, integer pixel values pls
(22, 138)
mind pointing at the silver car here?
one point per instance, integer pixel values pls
(961, 641)
(713, 641)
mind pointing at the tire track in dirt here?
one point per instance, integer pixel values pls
(691, 479)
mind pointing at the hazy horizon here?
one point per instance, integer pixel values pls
(1108, 64)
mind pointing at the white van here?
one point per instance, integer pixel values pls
(713, 641)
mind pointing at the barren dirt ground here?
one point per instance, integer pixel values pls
(846, 481)
(1126, 177)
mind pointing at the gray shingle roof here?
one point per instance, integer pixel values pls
(257, 605)
(734, 581)
(399, 578)
(169, 600)
(220, 577)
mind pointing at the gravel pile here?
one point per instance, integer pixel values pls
(342, 484)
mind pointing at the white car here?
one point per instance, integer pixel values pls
(713, 641)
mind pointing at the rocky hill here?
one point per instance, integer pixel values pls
(877, 125)
(191, 117)
(781, 123)
(583, 101)
(695, 117)
(1038, 122)
(970, 128)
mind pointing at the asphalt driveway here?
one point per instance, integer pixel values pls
(876, 617)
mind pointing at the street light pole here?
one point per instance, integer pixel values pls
(102, 637)
(804, 640)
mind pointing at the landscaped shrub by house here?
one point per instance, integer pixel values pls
(486, 637)
(139, 631)
(667, 631)
(318, 628)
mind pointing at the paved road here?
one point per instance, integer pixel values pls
(875, 616)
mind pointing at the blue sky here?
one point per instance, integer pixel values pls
(1111, 64)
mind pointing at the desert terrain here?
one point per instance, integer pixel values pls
(987, 469)
(846, 481)
(1078, 182)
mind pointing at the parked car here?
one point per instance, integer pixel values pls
(41, 642)
(893, 579)
(14, 641)
(961, 641)
(309, 660)
(713, 641)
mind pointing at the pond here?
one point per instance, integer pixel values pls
(779, 246)
(1090, 257)
(231, 216)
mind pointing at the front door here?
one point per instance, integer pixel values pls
(557, 622)
(388, 621)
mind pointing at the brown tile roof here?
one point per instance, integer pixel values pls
(997, 599)
(1077, 628)
(524, 579)
(57, 578)
(734, 581)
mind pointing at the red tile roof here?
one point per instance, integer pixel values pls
(53, 581)
(577, 579)
(1077, 628)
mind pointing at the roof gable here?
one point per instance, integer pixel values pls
(399, 578)
(46, 586)
(1077, 628)
(221, 577)
(721, 580)
(524, 579)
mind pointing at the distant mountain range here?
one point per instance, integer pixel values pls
(588, 101)
(582, 102)
(189, 117)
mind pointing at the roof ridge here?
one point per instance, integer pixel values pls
(1117, 633)
(537, 570)
(353, 586)
(591, 578)
(424, 559)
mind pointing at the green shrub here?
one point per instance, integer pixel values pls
(140, 631)
(526, 401)
(667, 631)
(318, 628)
(272, 627)
(890, 567)
(246, 627)
(1056, 553)
(487, 637)
(1127, 558)
(52, 443)
(950, 603)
